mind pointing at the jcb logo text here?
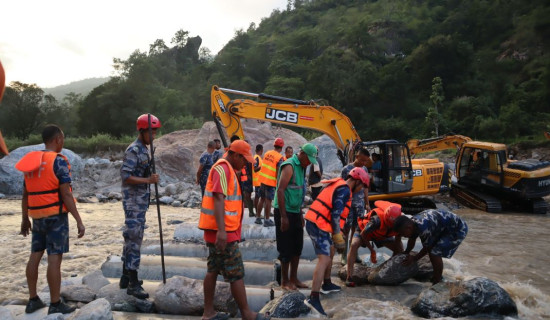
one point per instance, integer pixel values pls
(281, 115)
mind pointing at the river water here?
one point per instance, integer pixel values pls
(509, 248)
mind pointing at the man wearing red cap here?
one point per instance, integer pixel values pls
(221, 219)
(375, 226)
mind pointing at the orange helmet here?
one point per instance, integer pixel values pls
(143, 122)
(279, 142)
(360, 174)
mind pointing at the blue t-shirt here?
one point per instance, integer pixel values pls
(433, 224)
(358, 199)
(206, 160)
(61, 170)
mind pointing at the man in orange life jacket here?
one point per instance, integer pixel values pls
(326, 216)
(221, 219)
(47, 197)
(375, 226)
(256, 177)
(268, 178)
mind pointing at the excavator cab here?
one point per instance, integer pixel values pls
(396, 174)
(477, 166)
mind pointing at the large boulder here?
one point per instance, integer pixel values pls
(185, 296)
(360, 274)
(78, 293)
(99, 309)
(289, 305)
(332, 166)
(11, 180)
(478, 296)
(393, 272)
(95, 280)
(425, 269)
(119, 300)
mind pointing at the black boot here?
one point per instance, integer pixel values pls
(134, 287)
(125, 278)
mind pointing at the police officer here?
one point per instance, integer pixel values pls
(136, 179)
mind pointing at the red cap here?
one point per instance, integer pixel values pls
(243, 148)
(279, 142)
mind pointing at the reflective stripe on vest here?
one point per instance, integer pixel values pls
(233, 204)
(381, 233)
(321, 209)
(41, 184)
(256, 175)
(268, 173)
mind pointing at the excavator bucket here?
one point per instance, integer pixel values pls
(3, 148)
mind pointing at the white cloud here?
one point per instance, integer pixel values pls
(58, 41)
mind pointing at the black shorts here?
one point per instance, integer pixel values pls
(291, 242)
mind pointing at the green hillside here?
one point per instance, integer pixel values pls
(398, 69)
(81, 87)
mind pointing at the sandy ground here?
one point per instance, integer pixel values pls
(103, 237)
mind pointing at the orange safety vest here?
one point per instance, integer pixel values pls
(41, 184)
(244, 176)
(268, 174)
(256, 175)
(233, 204)
(383, 232)
(320, 210)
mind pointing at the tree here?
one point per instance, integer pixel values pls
(21, 112)
(437, 98)
(180, 38)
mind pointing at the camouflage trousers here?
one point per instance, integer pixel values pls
(132, 232)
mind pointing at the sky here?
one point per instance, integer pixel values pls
(55, 42)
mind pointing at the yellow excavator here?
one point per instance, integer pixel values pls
(401, 179)
(487, 180)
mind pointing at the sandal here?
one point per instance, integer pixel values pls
(350, 283)
(219, 316)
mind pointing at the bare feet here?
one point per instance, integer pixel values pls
(288, 286)
(299, 284)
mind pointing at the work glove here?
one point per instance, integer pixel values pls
(339, 242)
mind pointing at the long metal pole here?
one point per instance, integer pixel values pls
(157, 199)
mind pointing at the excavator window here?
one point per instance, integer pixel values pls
(399, 168)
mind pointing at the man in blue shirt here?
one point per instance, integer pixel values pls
(440, 231)
(205, 164)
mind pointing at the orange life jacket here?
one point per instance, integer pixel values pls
(41, 184)
(233, 204)
(320, 210)
(268, 174)
(381, 233)
(256, 175)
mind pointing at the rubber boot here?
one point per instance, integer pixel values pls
(134, 287)
(124, 279)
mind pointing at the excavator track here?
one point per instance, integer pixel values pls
(477, 200)
(538, 206)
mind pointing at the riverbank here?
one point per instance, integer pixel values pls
(507, 248)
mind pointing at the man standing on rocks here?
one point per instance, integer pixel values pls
(47, 197)
(324, 220)
(136, 179)
(268, 178)
(205, 163)
(221, 219)
(289, 221)
(440, 231)
(256, 176)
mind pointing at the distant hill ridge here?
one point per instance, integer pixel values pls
(82, 87)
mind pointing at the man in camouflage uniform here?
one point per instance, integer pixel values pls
(136, 179)
(440, 231)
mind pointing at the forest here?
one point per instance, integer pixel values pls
(398, 68)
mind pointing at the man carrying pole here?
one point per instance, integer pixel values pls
(136, 177)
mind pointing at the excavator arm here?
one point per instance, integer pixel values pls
(436, 144)
(227, 114)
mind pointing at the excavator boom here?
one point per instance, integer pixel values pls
(436, 144)
(299, 113)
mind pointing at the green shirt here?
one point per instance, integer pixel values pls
(294, 192)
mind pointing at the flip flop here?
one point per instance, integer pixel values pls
(219, 316)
